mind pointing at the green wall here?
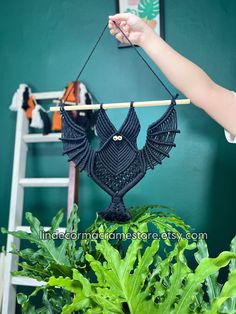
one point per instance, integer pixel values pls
(44, 43)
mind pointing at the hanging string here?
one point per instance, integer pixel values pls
(144, 60)
(173, 97)
(87, 60)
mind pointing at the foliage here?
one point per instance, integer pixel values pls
(148, 9)
(132, 11)
(125, 276)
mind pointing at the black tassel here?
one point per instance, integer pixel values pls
(47, 125)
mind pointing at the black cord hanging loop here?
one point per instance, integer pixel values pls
(88, 58)
(139, 54)
(147, 64)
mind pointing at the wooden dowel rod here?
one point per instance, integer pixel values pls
(119, 105)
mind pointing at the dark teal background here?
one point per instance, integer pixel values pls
(44, 44)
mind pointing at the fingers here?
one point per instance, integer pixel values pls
(120, 37)
(129, 18)
(111, 25)
(123, 26)
(114, 32)
(121, 20)
(120, 17)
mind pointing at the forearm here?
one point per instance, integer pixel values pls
(192, 81)
(182, 73)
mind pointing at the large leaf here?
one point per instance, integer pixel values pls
(229, 306)
(213, 287)
(135, 282)
(143, 218)
(124, 280)
(148, 9)
(79, 285)
(228, 291)
(58, 258)
(232, 264)
(179, 272)
(136, 276)
(206, 268)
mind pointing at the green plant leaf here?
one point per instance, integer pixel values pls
(136, 276)
(135, 281)
(148, 9)
(207, 267)
(228, 291)
(213, 287)
(24, 300)
(142, 219)
(232, 264)
(119, 275)
(129, 10)
(78, 285)
(119, 268)
(229, 306)
(179, 272)
(57, 220)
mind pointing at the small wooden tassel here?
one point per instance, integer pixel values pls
(56, 121)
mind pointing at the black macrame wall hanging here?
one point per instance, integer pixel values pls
(118, 165)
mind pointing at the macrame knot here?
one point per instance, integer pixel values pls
(173, 100)
(116, 199)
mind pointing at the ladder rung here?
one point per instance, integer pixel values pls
(27, 229)
(44, 182)
(48, 95)
(40, 138)
(26, 281)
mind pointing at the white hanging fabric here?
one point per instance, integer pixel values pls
(17, 99)
(37, 121)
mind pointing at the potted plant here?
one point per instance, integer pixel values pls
(134, 274)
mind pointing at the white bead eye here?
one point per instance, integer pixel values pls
(119, 137)
(115, 138)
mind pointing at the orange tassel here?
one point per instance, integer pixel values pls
(56, 121)
(72, 92)
(31, 105)
(69, 93)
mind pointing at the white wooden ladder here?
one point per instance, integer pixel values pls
(19, 183)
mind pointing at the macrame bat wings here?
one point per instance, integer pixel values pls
(118, 165)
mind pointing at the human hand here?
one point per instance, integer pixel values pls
(132, 26)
